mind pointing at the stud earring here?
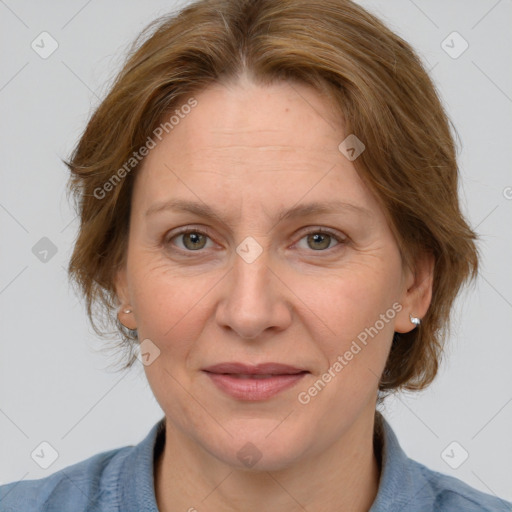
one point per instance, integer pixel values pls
(415, 320)
(127, 311)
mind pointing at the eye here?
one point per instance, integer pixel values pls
(192, 239)
(321, 239)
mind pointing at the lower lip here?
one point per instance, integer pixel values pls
(254, 389)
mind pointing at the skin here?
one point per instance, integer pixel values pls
(250, 152)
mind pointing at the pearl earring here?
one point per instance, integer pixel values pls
(415, 320)
(127, 311)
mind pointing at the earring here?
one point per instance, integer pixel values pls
(126, 311)
(415, 320)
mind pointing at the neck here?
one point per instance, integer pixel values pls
(344, 478)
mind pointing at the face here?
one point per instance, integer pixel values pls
(230, 264)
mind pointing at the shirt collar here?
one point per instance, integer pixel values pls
(401, 483)
(136, 483)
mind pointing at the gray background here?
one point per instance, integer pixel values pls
(55, 384)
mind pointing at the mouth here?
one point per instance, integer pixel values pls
(254, 382)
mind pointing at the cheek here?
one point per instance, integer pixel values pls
(169, 305)
(357, 308)
(171, 312)
(349, 302)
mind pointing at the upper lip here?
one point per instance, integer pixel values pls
(251, 369)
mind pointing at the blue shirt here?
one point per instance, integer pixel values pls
(121, 480)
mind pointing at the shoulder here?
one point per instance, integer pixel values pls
(449, 494)
(87, 485)
(406, 484)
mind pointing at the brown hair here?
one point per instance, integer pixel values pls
(375, 81)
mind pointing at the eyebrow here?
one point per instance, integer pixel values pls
(301, 210)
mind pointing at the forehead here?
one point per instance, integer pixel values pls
(247, 143)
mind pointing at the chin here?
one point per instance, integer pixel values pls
(261, 451)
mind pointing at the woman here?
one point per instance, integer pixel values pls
(268, 210)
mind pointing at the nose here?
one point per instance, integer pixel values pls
(255, 301)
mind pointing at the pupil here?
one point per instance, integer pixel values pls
(318, 238)
(194, 240)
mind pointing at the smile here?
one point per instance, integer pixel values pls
(253, 383)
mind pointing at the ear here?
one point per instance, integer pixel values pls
(123, 296)
(417, 292)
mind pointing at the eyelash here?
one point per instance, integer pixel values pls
(323, 231)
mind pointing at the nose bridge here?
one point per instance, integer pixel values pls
(251, 270)
(251, 290)
(252, 301)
